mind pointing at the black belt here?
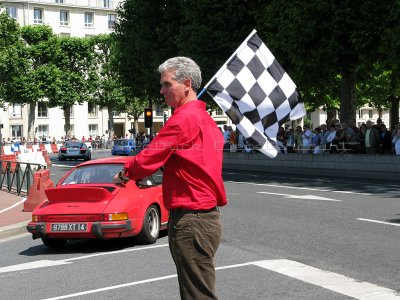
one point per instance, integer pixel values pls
(180, 211)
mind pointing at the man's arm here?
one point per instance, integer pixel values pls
(150, 159)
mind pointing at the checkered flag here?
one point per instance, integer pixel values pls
(256, 94)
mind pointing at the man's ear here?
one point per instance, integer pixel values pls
(188, 84)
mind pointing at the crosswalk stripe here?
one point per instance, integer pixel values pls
(328, 280)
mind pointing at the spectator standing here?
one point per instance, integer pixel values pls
(232, 140)
(396, 142)
(189, 146)
(297, 138)
(226, 134)
(385, 143)
(361, 139)
(372, 139)
(281, 139)
(306, 139)
(316, 141)
(349, 137)
(290, 140)
(330, 139)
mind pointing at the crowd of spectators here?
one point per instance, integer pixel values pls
(338, 137)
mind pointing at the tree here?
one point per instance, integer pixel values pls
(110, 91)
(323, 39)
(145, 34)
(9, 38)
(25, 68)
(73, 75)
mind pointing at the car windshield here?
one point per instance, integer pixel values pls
(74, 145)
(121, 143)
(99, 173)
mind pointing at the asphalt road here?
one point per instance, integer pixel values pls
(284, 237)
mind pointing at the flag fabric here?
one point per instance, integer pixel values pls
(256, 94)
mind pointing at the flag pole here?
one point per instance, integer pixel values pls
(243, 44)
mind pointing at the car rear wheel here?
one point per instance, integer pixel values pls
(151, 226)
(54, 243)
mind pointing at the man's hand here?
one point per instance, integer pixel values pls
(120, 178)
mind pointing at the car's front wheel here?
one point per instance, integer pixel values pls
(54, 243)
(151, 226)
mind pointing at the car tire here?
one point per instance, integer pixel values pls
(54, 243)
(151, 226)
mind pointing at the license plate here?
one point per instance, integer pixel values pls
(69, 227)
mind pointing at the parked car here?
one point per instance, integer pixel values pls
(86, 204)
(75, 150)
(123, 147)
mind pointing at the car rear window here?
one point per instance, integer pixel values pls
(74, 145)
(98, 173)
(121, 143)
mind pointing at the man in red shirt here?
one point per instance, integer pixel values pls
(189, 146)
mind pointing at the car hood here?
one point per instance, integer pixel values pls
(82, 200)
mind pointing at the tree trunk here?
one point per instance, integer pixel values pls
(394, 111)
(330, 116)
(67, 117)
(110, 122)
(348, 96)
(31, 121)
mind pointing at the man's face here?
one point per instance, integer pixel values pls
(173, 91)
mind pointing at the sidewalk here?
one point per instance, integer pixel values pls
(13, 219)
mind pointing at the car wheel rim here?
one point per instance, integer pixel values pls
(153, 222)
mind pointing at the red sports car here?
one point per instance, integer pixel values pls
(86, 204)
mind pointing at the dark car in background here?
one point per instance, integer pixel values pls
(75, 150)
(123, 147)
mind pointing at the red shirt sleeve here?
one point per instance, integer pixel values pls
(150, 159)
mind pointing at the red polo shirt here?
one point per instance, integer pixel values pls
(189, 146)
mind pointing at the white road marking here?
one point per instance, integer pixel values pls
(33, 265)
(379, 222)
(332, 281)
(63, 166)
(299, 188)
(305, 197)
(50, 263)
(14, 205)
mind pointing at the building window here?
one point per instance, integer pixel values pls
(159, 110)
(16, 131)
(111, 21)
(42, 110)
(12, 12)
(60, 1)
(370, 114)
(38, 16)
(64, 18)
(93, 130)
(116, 113)
(89, 20)
(92, 110)
(43, 131)
(106, 3)
(65, 34)
(16, 110)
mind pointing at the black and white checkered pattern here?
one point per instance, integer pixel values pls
(256, 94)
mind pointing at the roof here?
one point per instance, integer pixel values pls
(107, 160)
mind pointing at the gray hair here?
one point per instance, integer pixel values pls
(185, 68)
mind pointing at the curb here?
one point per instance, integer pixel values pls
(12, 230)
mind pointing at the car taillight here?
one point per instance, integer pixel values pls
(116, 217)
(63, 149)
(36, 218)
(83, 149)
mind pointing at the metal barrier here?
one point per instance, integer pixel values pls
(17, 177)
